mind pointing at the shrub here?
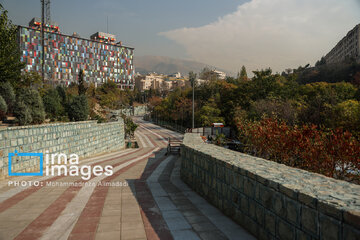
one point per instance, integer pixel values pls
(8, 94)
(22, 114)
(97, 117)
(130, 126)
(334, 153)
(52, 104)
(3, 107)
(31, 98)
(78, 108)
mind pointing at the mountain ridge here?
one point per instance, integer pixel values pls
(169, 65)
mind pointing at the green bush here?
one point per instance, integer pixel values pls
(99, 118)
(31, 98)
(52, 104)
(130, 126)
(78, 108)
(3, 107)
(62, 93)
(22, 113)
(8, 94)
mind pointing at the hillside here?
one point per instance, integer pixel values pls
(167, 65)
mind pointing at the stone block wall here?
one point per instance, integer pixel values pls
(81, 138)
(137, 111)
(271, 200)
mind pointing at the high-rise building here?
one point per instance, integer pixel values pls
(100, 57)
(348, 47)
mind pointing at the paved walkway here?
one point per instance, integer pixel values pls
(143, 199)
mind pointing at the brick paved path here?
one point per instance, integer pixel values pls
(152, 203)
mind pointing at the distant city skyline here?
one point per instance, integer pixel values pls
(227, 34)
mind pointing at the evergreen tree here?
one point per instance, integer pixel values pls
(3, 107)
(52, 104)
(243, 74)
(32, 100)
(8, 94)
(81, 85)
(78, 109)
(22, 114)
(10, 64)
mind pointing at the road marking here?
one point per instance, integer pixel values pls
(137, 134)
(147, 139)
(161, 137)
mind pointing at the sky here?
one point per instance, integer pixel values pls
(259, 34)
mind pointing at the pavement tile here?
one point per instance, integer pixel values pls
(111, 212)
(114, 235)
(109, 219)
(133, 234)
(108, 227)
(126, 225)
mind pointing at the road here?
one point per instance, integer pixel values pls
(144, 199)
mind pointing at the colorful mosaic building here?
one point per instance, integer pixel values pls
(100, 57)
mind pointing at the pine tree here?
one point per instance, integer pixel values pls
(81, 85)
(243, 75)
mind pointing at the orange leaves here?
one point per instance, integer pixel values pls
(334, 153)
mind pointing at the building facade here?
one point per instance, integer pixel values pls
(348, 47)
(150, 81)
(158, 81)
(100, 58)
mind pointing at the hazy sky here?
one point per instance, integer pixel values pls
(224, 33)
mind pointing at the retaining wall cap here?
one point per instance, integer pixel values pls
(340, 194)
(92, 122)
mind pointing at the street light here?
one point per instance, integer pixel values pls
(192, 78)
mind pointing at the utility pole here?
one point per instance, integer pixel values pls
(42, 40)
(192, 78)
(193, 105)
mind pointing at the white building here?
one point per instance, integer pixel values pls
(150, 81)
(175, 75)
(219, 74)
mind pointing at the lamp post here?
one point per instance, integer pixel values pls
(192, 78)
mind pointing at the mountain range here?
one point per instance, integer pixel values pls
(168, 65)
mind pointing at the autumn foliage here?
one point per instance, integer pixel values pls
(334, 153)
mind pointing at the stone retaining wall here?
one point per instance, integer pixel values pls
(82, 138)
(137, 111)
(271, 200)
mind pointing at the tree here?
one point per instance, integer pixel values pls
(3, 107)
(32, 100)
(207, 74)
(8, 94)
(30, 79)
(52, 104)
(22, 113)
(208, 114)
(347, 115)
(242, 76)
(130, 126)
(62, 93)
(320, 62)
(78, 108)
(10, 64)
(81, 85)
